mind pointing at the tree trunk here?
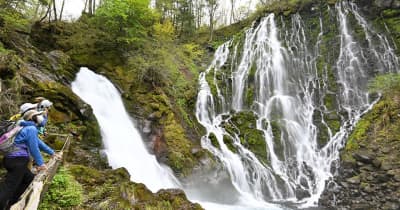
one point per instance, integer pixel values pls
(55, 10)
(62, 9)
(86, 3)
(50, 13)
(211, 25)
(90, 7)
(233, 19)
(94, 6)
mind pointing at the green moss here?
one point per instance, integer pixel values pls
(392, 21)
(380, 125)
(164, 205)
(277, 135)
(64, 192)
(385, 83)
(210, 81)
(244, 125)
(229, 143)
(179, 155)
(214, 140)
(330, 101)
(389, 13)
(287, 7)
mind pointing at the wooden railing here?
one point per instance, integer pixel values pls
(30, 199)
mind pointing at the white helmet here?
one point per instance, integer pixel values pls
(44, 104)
(26, 107)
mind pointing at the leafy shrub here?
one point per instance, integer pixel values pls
(193, 51)
(64, 192)
(127, 20)
(164, 31)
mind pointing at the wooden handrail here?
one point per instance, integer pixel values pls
(30, 199)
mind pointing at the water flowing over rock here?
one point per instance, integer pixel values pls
(307, 91)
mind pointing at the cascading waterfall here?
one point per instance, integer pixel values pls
(124, 146)
(274, 74)
(122, 142)
(279, 66)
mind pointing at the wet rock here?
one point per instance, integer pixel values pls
(396, 4)
(344, 184)
(366, 187)
(301, 193)
(386, 166)
(391, 206)
(146, 127)
(384, 3)
(377, 163)
(360, 206)
(354, 180)
(304, 182)
(397, 177)
(364, 157)
(348, 164)
(393, 172)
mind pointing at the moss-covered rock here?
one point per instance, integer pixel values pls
(244, 125)
(111, 189)
(371, 156)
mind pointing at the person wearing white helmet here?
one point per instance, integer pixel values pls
(16, 162)
(22, 109)
(43, 105)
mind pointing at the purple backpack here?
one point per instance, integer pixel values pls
(8, 131)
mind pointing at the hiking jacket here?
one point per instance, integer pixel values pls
(28, 142)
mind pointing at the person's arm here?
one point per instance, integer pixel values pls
(32, 141)
(43, 147)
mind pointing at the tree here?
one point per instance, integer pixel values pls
(62, 9)
(232, 18)
(127, 21)
(212, 6)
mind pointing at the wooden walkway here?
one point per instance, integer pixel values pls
(31, 198)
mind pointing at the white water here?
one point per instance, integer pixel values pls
(124, 146)
(122, 142)
(287, 89)
(286, 83)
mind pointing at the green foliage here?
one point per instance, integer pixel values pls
(11, 20)
(385, 83)
(244, 125)
(285, 7)
(64, 192)
(193, 51)
(2, 49)
(163, 205)
(164, 31)
(127, 20)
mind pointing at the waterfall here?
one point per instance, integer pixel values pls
(123, 144)
(272, 75)
(276, 67)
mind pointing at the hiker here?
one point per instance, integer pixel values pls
(43, 105)
(28, 144)
(22, 109)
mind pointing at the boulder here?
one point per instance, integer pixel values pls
(364, 157)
